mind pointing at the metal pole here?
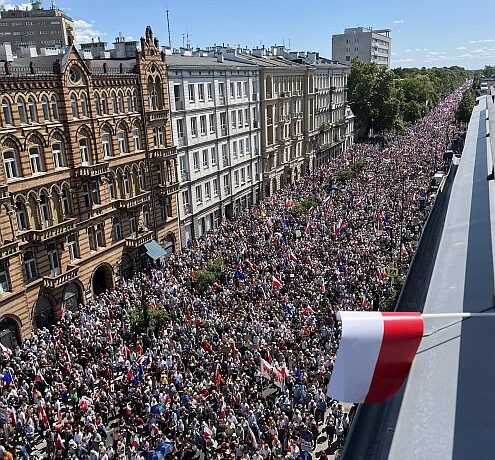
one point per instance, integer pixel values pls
(168, 28)
(144, 306)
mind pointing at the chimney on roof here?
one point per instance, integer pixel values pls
(220, 57)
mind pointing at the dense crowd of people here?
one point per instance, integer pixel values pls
(91, 387)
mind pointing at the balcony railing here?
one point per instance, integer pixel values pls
(139, 239)
(132, 202)
(9, 249)
(92, 170)
(48, 233)
(157, 115)
(164, 153)
(52, 282)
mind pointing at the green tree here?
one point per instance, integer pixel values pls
(374, 97)
(463, 113)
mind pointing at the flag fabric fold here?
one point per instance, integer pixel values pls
(375, 354)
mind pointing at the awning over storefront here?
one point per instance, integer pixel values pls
(154, 250)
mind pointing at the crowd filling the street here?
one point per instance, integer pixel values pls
(237, 366)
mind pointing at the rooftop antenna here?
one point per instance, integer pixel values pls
(188, 40)
(53, 5)
(168, 28)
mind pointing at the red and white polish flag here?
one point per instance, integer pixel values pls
(375, 354)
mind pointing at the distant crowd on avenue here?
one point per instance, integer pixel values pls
(239, 369)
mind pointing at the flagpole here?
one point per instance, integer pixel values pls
(455, 315)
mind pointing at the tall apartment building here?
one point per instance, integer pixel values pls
(216, 124)
(366, 44)
(37, 26)
(301, 128)
(288, 111)
(334, 118)
(88, 183)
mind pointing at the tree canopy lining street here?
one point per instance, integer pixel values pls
(384, 99)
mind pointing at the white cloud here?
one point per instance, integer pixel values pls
(436, 53)
(399, 21)
(422, 49)
(85, 31)
(483, 40)
(395, 61)
(461, 48)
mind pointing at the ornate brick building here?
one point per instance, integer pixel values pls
(89, 179)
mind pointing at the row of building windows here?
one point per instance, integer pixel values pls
(37, 161)
(207, 123)
(203, 193)
(27, 111)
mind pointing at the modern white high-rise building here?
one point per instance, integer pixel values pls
(364, 43)
(215, 118)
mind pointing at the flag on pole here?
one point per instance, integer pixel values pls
(375, 354)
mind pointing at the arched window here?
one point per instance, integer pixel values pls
(84, 151)
(44, 211)
(66, 202)
(122, 140)
(97, 105)
(21, 107)
(55, 108)
(58, 155)
(73, 104)
(152, 94)
(106, 142)
(114, 103)
(135, 106)
(129, 103)
(7, 112)
(36, 159)
(104, 104)
(84, 105)
(136, 139)
(121, 103)
(141, 179)
(33, 112)
(45, 106)
(126, 185)
(159, 93)
(112, 192)
(21, 215)
(11, 164)
(146, 217)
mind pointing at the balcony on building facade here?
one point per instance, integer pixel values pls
(45, 234)
(132, 202)
(95, 170)
(8, 249)
(157, 115)
(139, 239)
(164, 153)
(170, 188)
(52, 282)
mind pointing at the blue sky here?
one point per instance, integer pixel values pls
(424, 32)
